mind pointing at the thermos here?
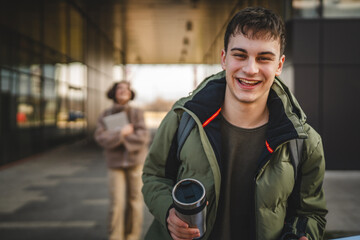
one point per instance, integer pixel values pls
(189, 198)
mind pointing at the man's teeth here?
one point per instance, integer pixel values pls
(248, 82)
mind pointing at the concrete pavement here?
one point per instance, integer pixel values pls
(63, 194)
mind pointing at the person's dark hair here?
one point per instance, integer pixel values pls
(111, 92)
(256, 22)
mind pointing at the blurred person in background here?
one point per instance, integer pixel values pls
(245, 119)
(125, 148)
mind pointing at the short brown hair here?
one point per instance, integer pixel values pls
(111, 92)
(255, 22)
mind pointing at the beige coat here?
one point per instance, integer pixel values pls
(123, 152)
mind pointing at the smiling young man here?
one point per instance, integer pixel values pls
(239, 148)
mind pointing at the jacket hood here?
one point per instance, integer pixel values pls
(292, 107)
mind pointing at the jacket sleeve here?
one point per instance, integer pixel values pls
(157, 188)
(306, 205)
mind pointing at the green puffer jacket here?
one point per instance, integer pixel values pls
(285, 207)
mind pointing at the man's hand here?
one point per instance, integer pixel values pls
(180, 230)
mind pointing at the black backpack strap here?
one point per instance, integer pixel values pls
(185, 126)
(296, 150)
(173, 160)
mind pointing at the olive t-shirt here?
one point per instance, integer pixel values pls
(241, 149)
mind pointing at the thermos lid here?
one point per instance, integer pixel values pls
(188, 191)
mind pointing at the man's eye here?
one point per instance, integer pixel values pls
(264, 59)
(240, 55)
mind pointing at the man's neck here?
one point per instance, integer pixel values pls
(245, 115)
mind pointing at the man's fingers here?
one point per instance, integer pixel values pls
(179, 229)
(183, 233)
(303, 238)
(182, 230)
(175, 220)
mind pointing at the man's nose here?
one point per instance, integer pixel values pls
(251, 67)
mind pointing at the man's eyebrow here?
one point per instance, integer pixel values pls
(266, 53)
(238, 49)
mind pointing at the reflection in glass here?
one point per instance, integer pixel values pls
(341, 8)
(76, 74)
(60, 72)
(49, 95)
(35, 86)
(329, 8)
(28, 112)
(49, 70)
(28, 101)
(5, 80)
(71, 95)
(306, 8)
(24, 84)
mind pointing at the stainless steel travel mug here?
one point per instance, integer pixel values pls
(189, 198)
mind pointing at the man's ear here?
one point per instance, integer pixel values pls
(280, 66)
(223, 59)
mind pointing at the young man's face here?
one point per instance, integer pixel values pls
(251, 66)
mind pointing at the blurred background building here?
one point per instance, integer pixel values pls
(58, 57)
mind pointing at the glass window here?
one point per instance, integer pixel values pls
(77, 74)
(76, 104)
(49, 94)
(28, 101)
(5, 80)
(35, 86)
(49, 70)
(341, 8)
(306, 8)
(60, 72)
(35, 69)
(49, 89)
(28, 112)
(24, 84)
(50, 112)
(76, 96)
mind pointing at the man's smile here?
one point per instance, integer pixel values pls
(247, 82)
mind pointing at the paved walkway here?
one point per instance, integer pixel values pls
(63, 194)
